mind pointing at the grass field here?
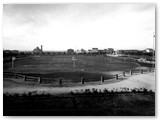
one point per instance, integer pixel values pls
(92, 63)
(61, 66)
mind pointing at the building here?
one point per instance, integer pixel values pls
(101, 51)
(70, 51)
(77, 51)
(105, 50)
(119, 52)
(82, 51)
(110, 51)
(37, 50)
(131, 52)
(94, 50)
(89, 51)
(149, 50)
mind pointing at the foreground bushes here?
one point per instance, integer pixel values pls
(87, 102)
(92, 91)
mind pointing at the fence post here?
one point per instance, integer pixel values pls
(39, 80)
(102, 79)
(24, 77)
(130, 72)
(141, 71)
(60, 81)
(82, 80)
(16, 75)
(116, 76)
(124, 74)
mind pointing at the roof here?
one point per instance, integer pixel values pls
(37, 49)
(95, 48)
(149, 49)
(70, 49)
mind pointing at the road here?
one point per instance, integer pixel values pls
(146, 80)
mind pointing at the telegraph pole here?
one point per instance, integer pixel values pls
(74, 62)
(12, 64)
(153, 47)
(13, 58)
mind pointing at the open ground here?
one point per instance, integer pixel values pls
(90, 67)
(129, 95)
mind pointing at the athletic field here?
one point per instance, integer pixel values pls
(91, 67)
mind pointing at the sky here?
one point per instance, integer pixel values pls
(76, 26)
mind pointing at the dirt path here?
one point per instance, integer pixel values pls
(146, 80)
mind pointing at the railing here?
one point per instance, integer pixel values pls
(131, 72)
(82, 80)
(24, 77)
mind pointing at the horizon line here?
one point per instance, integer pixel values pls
(79, 49)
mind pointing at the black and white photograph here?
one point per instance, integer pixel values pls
(79, 59)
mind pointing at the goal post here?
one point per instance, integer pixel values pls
(74, 61)
(13, 59)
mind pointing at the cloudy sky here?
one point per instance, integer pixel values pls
(63, 26)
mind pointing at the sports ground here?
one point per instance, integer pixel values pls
(129, 95)
(90, 67)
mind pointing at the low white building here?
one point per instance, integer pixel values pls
(82, 51)
(149, 50)
(94, 50)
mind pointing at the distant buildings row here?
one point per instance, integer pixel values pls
(38, 50)
(91, 51)
(148, 50)
(109, 51)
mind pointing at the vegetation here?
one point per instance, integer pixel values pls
(137, 102)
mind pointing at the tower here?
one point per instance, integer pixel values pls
(41, 48)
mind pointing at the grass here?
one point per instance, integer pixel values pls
(91, 67)
(89, 63)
